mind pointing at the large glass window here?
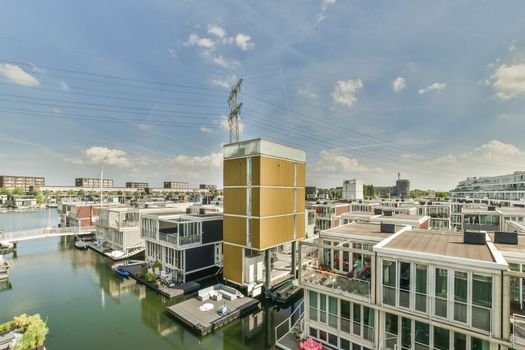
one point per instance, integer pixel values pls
(356, 328)
(422, 336)
(441, 338)
(368, 323)
(313, 305)
(460, 341)
(421, 288)
(345, 316)
(389, 282)
(406, 333)
(322, 308)
(441, 293)
(478, 344)
(481, 301)
(391, 330)
(460, 296)
(332, 310)
(404, 284)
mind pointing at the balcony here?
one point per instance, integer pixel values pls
(336, 283)
(180, 241)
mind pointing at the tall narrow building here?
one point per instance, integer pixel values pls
(264, 211)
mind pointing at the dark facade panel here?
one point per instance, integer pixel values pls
(197, 258)
(202, 274)
(212, 231)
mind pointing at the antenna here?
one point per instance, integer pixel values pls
(235, 112)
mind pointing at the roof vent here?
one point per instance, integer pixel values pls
(506, 237)
(388, 228)
(474, 237)
(387, 212)
(378, 211)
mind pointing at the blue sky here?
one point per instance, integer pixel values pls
(434, 90)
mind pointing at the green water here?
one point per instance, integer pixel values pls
(88, 306)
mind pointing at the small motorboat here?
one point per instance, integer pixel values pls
(287, 292)
(121, 272)
(116, 254)
(81, 245)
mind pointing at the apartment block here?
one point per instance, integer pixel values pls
(352, 189)
(189, 246)
(26, 183)
(139, 185)
(503, 187)
(327, 214)
(176, 185)
(264, 210)
(378, 286)
(88, 182)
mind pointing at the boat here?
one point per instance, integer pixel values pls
(6, 245)
(116, 254)
(286, 292)
(4, 268)
(81, 245)
(121, 272)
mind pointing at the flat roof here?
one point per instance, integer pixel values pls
(447, 244)
(364, 230)
(478, 211)
(512, 211)
(263, 147)
(511, 248)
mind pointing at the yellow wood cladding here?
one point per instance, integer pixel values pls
(235, 201)
(272, 201)
(235, 172)
(234, 230)
(273, 172)
(301, 175)
(233, 263)
(300, 200)
(256, 229)
(274, 231)
(300, 224)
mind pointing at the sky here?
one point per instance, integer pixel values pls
(433, 90)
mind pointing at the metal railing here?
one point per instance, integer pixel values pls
(336, 282)
(518, 330)
(176, 239)
(293, 323)
(43, 232)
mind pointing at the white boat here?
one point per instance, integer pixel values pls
(4, 268)
(117, 254)
(81, 245)
(6, 244)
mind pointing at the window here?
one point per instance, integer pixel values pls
(313, 305)
(389, 282)
(356, 328)
(406, 333)
(441, 338)
(478, 344)
(422, 336)
(322, 308)
(368, 323)
(460, 296)
(460, 341)
(391, 330)
(332, 339)
(421, 288)
(332, 310)
(344, 344)
(441, 293)
(404, 284)
(345, 316)
(481, 301)
(313, 332)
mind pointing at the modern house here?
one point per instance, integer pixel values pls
(327, 214)
(502, 187)
(264, 211)
(189, 246)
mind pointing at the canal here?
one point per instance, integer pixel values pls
(87, 306)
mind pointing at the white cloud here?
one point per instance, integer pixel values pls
(106, 156)
(205, 129)
(331, 162)
(437, 86)
(216, 30)
(210, 161)
(344, 91)
(16, 75)
(496, 151)
(243, 42)
(225, 83)
(144, 126)
(509, 81)
(324, 6)
(223, 62)
(205, 43)
(398, 84)
(64, 86)
(307, 93)
(56, 110)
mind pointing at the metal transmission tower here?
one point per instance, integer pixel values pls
(235, 112)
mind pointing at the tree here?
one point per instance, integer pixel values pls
(71, 192)
(18, 190)
(369, 191)
(120, 193)
(81, 192)
(443, 195)
(4, 191)
(39, 198)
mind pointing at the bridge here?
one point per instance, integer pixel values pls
(17, 236)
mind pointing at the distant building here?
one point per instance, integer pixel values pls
(93, 182)
(401, 189)
(11, 182)
(502, 187)
(352, 189)
(176, 185)
(139, 185)
(21, 201)
(207, 187)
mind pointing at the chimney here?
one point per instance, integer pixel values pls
(506, 237)
(474, 237)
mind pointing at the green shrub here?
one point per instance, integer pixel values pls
(157, 265)
(35, 331)
(7, 326)
(149, 277)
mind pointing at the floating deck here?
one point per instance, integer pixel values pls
(204, 322)
(168, 292)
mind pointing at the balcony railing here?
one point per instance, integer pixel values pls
(336, 283)
(518, 331)
(174, 238)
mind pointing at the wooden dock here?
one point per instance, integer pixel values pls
(204, 322)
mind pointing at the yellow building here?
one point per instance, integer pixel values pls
(264, 209)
